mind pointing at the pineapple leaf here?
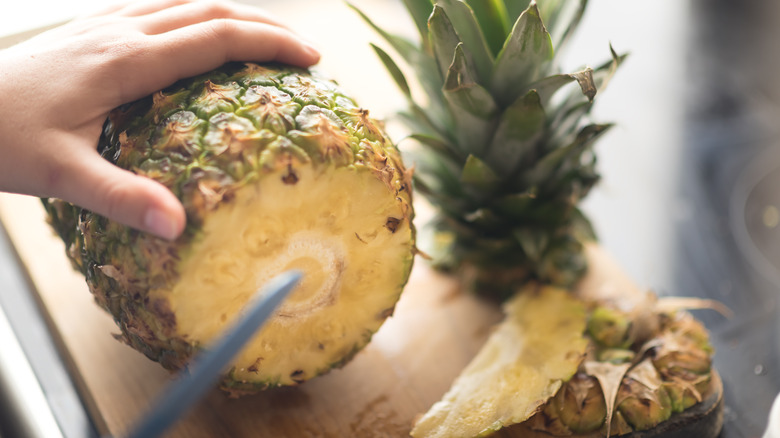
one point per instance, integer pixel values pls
(471, 106)
(548, 215)
(394, 71)
(484, 219)
(532, 242)
(562, 17)
(521, 125)
(569, 112)
(461, 89)
(420, 118)
(416, 124)
(467, 28)
(417, 119)
(573, 20)
(604, 72)
(404, 47)
(515, 8)
(525, 52)
(427, 72)
(444, 39)
(420, 10)
(441, 181)
(493, 21)
(438, 145)
(567, 117)
(550, 163)
(477, 173)
(549, 85)
(516, 205)
(582, 229)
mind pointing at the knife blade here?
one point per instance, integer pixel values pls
(207, 369)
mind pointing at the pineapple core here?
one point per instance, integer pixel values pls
(339, 226)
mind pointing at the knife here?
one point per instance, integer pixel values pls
(206, 370)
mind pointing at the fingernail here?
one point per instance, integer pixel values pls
(311, 50)
(160, 224)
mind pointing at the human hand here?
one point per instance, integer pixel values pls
(58, 87)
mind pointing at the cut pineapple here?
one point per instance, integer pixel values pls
(524, 362)
(277, 169)
(351, 262)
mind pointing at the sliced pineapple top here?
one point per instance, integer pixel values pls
(505, 136)
(537, 347)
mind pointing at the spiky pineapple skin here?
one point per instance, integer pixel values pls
(662, 380)
(205, 138)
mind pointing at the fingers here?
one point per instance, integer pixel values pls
(191, 50)
(139, 202)
(110, 9)
(138, 8)
(201, 11)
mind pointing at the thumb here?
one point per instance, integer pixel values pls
(122, 196)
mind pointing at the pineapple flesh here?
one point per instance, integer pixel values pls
(277, 169)
(524, 362)
(504, 143)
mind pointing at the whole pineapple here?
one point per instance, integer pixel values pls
(506, 149)
(277, 169)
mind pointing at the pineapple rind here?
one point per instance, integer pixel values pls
(661, 379)
(668, 370)
(209, 139)
(538, 346)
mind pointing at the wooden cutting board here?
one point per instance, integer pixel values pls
(409, 364)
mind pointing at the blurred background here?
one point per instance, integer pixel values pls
(690, 198)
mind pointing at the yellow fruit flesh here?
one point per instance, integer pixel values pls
(332, 225)
(522, 365)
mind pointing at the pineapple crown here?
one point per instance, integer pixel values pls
(505, 156)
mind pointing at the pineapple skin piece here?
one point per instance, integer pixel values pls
(544, 373)
(277, 169)
(663, 371)
(525, 361)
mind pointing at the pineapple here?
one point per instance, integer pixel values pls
(559, 365)
(277, 169)
(505, 148)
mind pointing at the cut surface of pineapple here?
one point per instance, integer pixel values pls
(350, 257)
(538, 346)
